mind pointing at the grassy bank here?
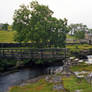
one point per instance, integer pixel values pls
(82, 68)
(7, 36)
(79, 47)
(72, 84)
(39, 86)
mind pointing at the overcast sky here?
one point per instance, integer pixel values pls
(76, 11)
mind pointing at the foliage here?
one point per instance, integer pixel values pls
(6, 63)
(35, 23)
(5, 26)
(90, 31)
(78, 30)
(10, 28)
(79, 34)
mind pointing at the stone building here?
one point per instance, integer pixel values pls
(88, 37)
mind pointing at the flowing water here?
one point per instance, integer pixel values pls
(89, 61)
(17, 78)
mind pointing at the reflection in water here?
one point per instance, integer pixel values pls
(17, 78)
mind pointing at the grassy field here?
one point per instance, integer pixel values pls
(7, 36)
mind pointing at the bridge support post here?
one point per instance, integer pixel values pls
(19, 62)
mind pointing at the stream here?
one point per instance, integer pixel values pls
(22, 75)
(89, 61)
(17, 78)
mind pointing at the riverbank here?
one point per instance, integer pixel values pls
(66, 81)
(18, 77)
(44, 84)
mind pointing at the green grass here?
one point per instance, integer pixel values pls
(70, 36)
(73, 39)
(40, 86)
(79, 47)
(71, 84)
(7, 36)
(82, 68)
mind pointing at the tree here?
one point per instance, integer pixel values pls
(35, 23)
(10, 27)
(78, 30)
(5, 26)
(79, 35)
(77, 27)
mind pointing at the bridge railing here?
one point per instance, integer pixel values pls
(30, 53)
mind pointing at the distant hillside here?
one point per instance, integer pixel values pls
(7, 36)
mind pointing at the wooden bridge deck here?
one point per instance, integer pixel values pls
(27, 53)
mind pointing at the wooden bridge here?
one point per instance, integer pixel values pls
(27, 53)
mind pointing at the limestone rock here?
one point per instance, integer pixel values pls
(57, 79)
(58, 87)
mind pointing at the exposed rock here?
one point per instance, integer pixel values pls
(53, 79)
(58, 69)
(58, 87)
(54, 70)
(23, 84)
(80, 61)
(81, 74)
(57, 79)
(66, 68)
(76, 59)
(89, 78)
(71, 58)
(49, 79)
(77, 90)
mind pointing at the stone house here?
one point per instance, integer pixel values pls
(88, 37)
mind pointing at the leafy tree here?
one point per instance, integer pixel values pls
(79, 35)
(35, 23)
(5, 26)
(72, 28)
(10, 27)
(77, 27)
(89, 31)
(78, 30)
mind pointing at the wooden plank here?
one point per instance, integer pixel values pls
(34, 53)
